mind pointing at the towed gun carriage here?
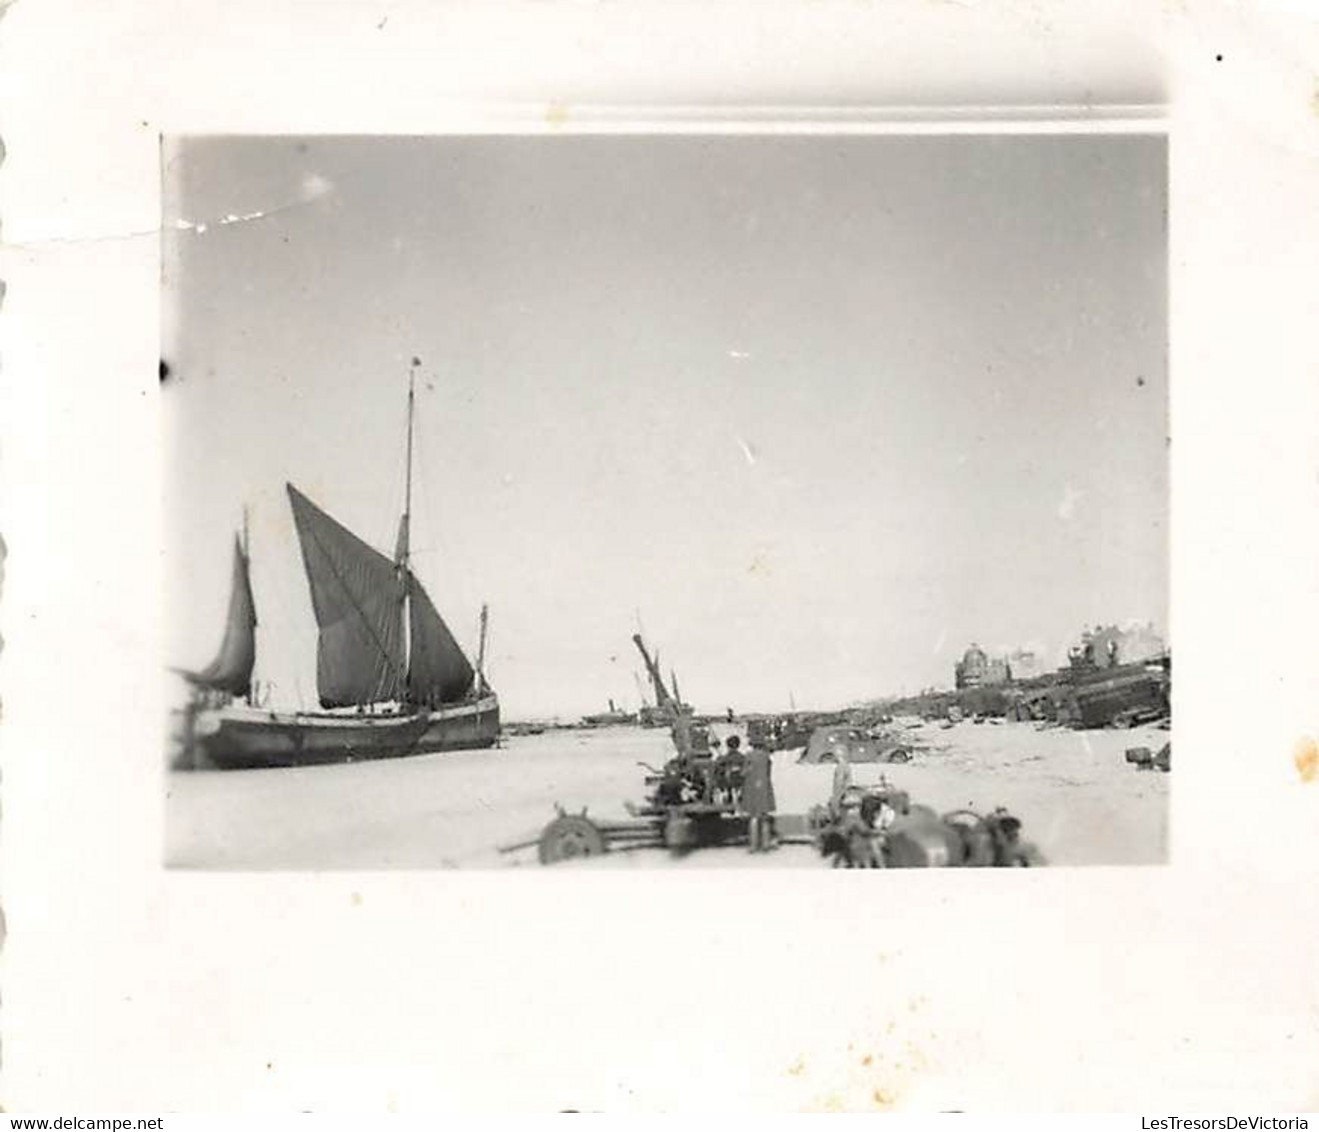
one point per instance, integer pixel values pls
(691, 805)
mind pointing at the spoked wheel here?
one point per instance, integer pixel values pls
(569, 836)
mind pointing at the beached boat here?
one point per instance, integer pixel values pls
(391, 677)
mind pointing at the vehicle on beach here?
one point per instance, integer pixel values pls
(851, 744)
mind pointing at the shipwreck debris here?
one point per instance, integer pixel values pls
(1142, 759)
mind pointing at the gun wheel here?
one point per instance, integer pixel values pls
(569, 836)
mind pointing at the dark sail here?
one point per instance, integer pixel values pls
(439, 672)
(231, 670)
(357, 596)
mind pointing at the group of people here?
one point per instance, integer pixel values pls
(740, 779)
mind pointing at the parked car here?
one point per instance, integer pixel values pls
(835, 744)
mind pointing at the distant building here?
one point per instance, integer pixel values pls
(1106, 646)
(977, 669)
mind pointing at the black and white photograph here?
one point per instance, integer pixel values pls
(666, 501)
(619, 558)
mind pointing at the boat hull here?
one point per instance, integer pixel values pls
(245, 739)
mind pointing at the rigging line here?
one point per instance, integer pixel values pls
(424, 499)
(285, 621)
(485, 661)
(401, 676)
(449, 567)
(395, 489)
(256, 620)
(422, 496)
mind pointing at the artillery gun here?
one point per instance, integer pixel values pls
(668, 707)
(688, 806)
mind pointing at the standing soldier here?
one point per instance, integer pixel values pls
(732, 771)
(703, 760)
(842, 780)
(758, 796)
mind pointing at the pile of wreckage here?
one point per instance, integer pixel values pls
(1130, 695)
(1127, 696)
(1143, 759)
(1114, 677)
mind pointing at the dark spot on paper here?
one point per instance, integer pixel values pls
(1140, 382)
(165, 371)
(1218, 58)
(382, 23)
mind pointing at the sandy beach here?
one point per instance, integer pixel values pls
(1079, 800)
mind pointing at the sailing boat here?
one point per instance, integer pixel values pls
(389, 673)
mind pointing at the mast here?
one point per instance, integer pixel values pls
(247, 555)
(662, 698)
(404, 554)
(480, 651)
(407, 498)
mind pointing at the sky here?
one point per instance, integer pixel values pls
(813, 412)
